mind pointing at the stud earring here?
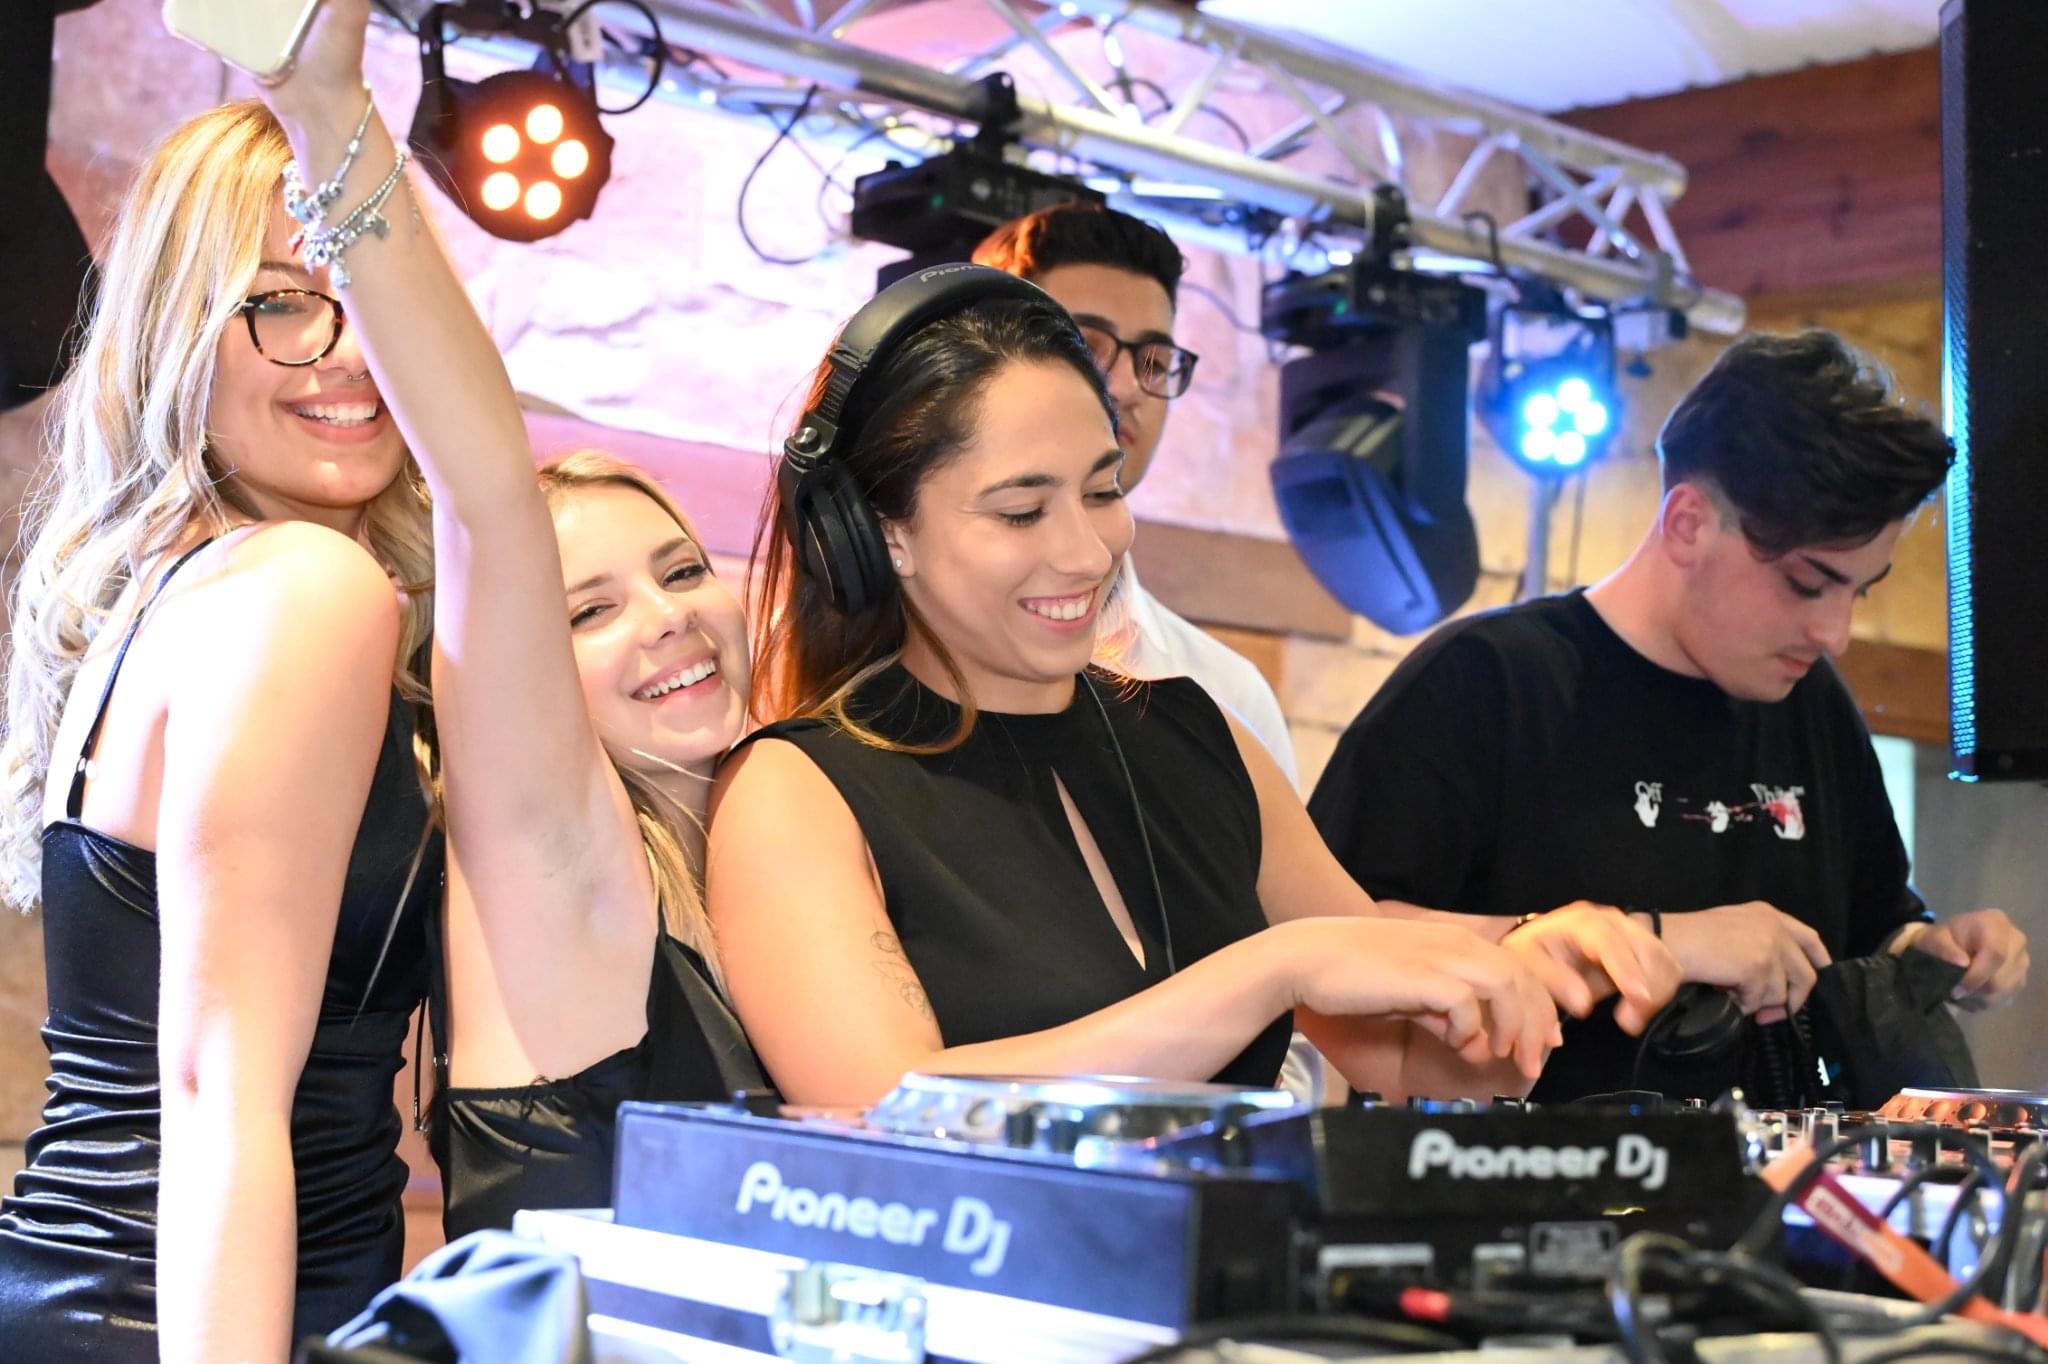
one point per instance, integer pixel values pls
(898, 563)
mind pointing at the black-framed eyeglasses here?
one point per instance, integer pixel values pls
(1163, 369)
(293, 326)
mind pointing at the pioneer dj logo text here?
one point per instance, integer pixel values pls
(1635, 1157)
(972, 1231)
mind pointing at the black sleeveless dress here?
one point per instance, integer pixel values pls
(78, 1238)
(984, 881)
(549, 1143)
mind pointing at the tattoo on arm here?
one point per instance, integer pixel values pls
(895, 968)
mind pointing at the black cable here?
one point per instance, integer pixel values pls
(1244, 138)
(1913, 1180)
(657, 48)
(1638, 1338)
(1492, 237)
(1757, 1239)
(690, 56)
(1397, 1336)
(1763, 1290)
(1973, 1184)
(1906, 1188)
(1764, 1230)
(782, 133)
(829, 181)
(1125, 81)
(1221, 304)
(1769, 1286)
(1992, 1266)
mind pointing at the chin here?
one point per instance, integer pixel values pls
(1766, 690)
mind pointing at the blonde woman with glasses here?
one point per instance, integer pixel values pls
(211, 790)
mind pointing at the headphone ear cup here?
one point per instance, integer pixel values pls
(842, 539)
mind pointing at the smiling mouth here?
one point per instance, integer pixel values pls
(689, 677)
(1061, 608)
(338, 414)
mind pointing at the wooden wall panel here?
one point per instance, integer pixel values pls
(1825, 176)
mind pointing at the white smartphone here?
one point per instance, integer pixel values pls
(260, 36)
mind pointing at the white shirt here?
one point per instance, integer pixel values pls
(1141, 638)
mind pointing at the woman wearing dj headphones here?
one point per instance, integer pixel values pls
(961, 849)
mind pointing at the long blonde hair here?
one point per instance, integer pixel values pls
(678, 882)
(126, 472)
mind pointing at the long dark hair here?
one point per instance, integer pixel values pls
(916, 412)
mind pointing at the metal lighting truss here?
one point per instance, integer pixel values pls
(1169, 166)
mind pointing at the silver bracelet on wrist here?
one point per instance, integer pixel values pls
(308, 209)
(323, 245)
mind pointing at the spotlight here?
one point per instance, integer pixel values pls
(1547, 391)
(1370, 479)
(522, 152)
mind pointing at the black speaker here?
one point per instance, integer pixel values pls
(1994, 202)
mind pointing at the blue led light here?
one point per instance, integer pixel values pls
(1571, 450)
(1539, 444)
(1591, 418)
(1541, 411)
(1574, 393)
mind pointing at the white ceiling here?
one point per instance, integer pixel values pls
(1561, 54)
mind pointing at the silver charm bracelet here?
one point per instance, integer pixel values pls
(324, 245)
(309, 209)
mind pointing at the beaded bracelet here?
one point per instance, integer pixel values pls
(310, 209)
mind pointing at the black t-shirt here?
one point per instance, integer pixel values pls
(1526, 758)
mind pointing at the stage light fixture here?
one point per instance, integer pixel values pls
(1547, 391)
(521, 152)
(1370, 476)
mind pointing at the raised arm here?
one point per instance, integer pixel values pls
(838, 1013)
(269, 746)
(535, 813)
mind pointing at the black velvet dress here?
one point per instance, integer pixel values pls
(78, 1238)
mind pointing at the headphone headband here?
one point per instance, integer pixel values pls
(883, 323)
(837, 533)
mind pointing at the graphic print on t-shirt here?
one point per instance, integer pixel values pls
(1777, 806)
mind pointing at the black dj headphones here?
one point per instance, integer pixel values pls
(837, 533)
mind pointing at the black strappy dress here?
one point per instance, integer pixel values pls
(549, 1143)
(78, 1238)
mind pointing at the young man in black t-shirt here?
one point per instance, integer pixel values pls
(1673, 739)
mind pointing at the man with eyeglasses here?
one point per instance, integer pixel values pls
(1119, 277)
